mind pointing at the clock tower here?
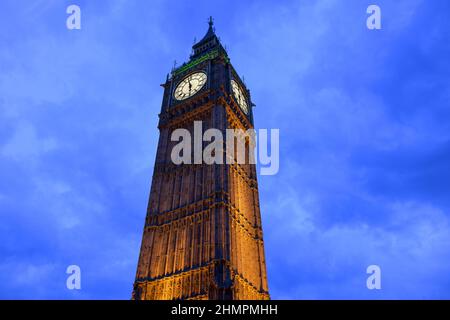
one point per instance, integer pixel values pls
(202, 237)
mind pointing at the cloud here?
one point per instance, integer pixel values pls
(363, 128)
(361, 150)
(329, 259)
(27, 277)
(76, 127)
(25, 145)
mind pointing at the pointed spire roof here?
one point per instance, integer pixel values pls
(208, 42)
(210, 32)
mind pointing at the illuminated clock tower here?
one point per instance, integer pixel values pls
(202, 237)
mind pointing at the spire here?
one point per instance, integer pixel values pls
(209, 42)
(210, 33)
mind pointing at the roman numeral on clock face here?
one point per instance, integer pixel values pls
(190, 85)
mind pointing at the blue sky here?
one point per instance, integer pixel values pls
(364, 121)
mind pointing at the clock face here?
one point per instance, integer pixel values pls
(190, 85)
(240, 98)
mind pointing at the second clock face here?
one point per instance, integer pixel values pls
(240, 97)
(190, 85)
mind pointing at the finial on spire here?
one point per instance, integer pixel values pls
(174, 65)
(211, 21)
